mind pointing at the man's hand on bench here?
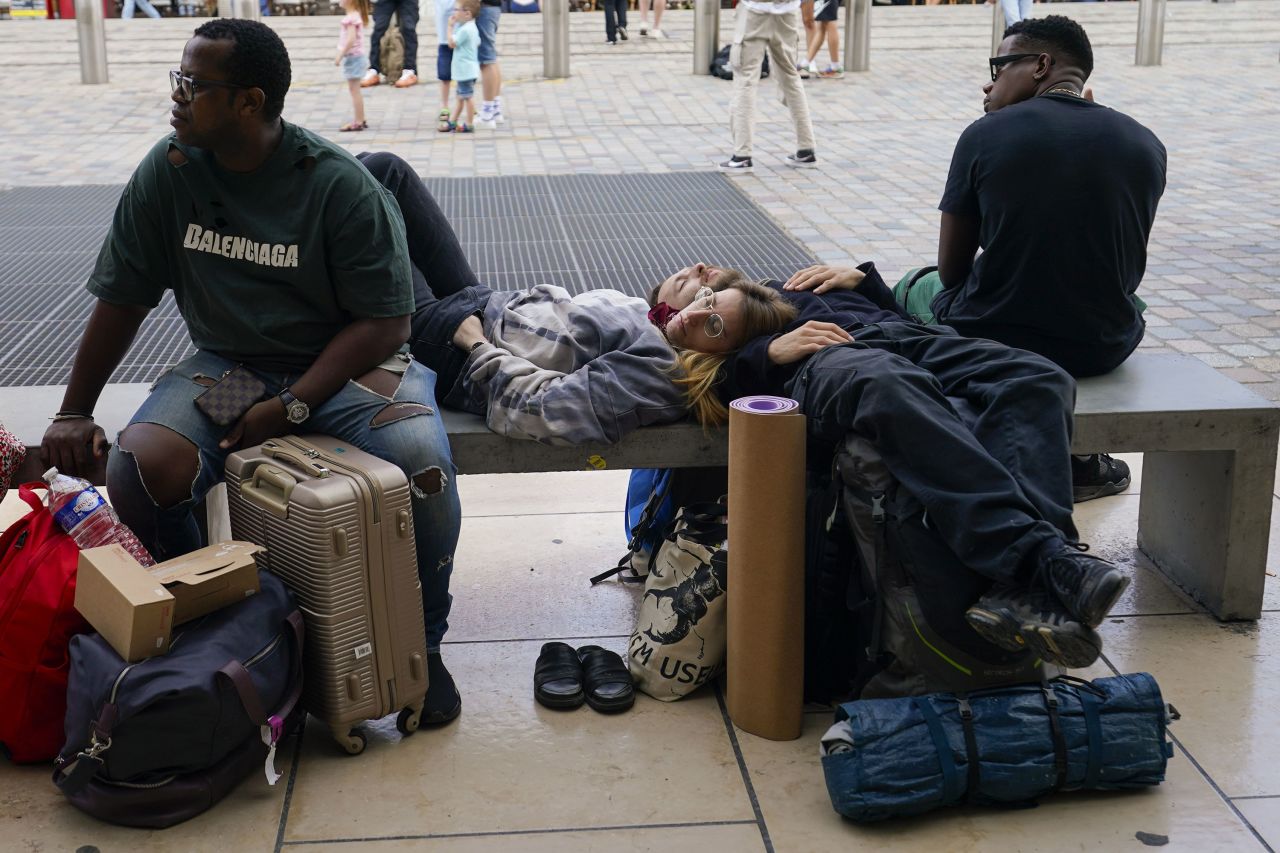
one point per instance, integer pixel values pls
(74, 446)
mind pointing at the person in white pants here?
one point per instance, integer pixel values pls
(770, 26)
(147, 9)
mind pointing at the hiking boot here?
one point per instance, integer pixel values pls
(443, 702)
(803, 159)
(1087, 586)
(736, 164)
(1018, 618)
(1097, 476)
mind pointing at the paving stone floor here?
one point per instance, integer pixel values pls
(510, 775)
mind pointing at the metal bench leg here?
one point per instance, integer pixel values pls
(1205, 519)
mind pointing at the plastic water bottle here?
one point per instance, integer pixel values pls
(87, 518)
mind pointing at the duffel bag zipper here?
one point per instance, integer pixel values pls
(266, 650)
(160, 784)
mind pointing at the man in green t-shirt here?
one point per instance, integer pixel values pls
(285, 256)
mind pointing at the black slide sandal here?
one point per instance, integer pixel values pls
(557, 677)
(608, 682)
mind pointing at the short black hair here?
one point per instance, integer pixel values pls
(1055, 34)
(258, 58)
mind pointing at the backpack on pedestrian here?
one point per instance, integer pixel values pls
(909, 592)
(37, 621)
(391, 51)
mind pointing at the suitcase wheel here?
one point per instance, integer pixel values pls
(408, 720)
(352, 740)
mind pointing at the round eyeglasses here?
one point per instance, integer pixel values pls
(714, 325)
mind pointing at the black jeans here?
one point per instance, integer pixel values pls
(445, 289)
(382, 12)
(615, 15)
(996, 484)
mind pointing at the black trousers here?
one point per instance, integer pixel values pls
(382, 12)
(445, 288)
(615, 15)
(996, 481)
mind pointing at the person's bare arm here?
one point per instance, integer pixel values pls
(353, 352)
(957, 247)
(70, 445)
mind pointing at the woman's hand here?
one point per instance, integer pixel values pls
(821, 277)
(806, 340)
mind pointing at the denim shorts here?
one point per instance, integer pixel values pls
(466, 89)
(354, 66)
(487, 23)
(444, 60)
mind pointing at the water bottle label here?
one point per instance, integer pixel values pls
(85, 504)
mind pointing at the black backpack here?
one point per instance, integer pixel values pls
(158, 741)
(904, 595)
(720, 65)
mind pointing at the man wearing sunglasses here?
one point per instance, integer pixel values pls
(1059, 194)
(288, 259)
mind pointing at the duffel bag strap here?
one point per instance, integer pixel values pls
(272, 726)
(970, 746)
(946, 761)
(1055, 731)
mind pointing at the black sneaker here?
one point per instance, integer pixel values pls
(1087, 586)
(1097, 476)
(1017, 618)
(736, 164)
(622, 33)
(803, 158)
(443, 702)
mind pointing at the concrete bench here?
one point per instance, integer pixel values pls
(1205, 506)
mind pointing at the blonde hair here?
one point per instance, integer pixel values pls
(472, 6)
(364, 7)
(764, 312)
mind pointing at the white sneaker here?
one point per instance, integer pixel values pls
(498, 117)
(644, 28)
(656, 33)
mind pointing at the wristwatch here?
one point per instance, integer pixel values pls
(294, 409)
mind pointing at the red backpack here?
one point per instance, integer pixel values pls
(37, 620)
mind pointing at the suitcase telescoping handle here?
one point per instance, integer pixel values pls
(270, 488)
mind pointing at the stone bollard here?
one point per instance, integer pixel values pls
(555, 38)
(93, 41)
(1150, 32)
(997, 26)
(706, 34)
(857, 35)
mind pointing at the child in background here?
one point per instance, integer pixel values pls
(444, 61)
(353, 58)
(464, 38)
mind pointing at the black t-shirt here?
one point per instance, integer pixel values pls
(1066, 192)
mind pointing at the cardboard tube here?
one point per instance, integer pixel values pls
(765, 622)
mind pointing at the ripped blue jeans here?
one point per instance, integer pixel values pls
(416, 444)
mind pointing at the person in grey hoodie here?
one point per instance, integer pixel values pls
(540, 364)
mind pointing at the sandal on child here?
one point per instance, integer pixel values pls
(354, 125)
(608, 682)
(442, 122)
(462, 128)
(557, 677)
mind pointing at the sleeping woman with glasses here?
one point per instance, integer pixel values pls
(734, 336)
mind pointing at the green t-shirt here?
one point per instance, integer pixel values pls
(266, 267)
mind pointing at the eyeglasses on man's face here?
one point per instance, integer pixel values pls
(998, 62)
(714, 326)
(186, 87)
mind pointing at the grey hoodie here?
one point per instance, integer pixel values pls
(568, 370)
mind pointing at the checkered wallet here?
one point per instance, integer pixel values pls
(231, 396)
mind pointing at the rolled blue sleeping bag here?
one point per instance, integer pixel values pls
(894, 757)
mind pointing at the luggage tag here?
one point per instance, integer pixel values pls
(270, 735)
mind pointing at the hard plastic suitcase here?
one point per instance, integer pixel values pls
(338, 529)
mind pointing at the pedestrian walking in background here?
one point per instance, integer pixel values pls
(806, 17)
(659, 6)
(760, 26)
(1015, 10)
(824, 17)
(444, 62)
(147, 9)
(464, 38)
(406, 12)
(490, 71)
(352, 57)
(615, 20)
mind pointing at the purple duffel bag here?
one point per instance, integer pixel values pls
(154, 743)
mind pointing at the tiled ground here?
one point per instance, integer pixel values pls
(511, 775)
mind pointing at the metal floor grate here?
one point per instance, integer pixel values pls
(577, 231)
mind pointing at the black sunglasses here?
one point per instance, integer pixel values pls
(188, 86)
(998, 62)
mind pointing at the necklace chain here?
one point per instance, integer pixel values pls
(1061, 90)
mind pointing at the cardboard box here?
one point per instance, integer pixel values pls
(134, 608)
